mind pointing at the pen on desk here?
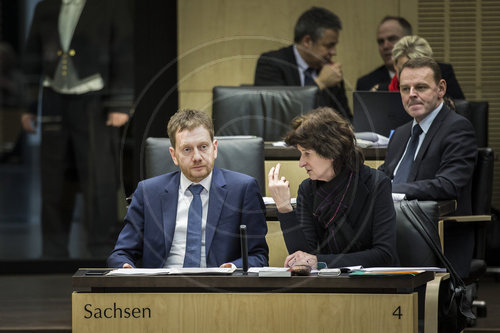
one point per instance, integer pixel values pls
(390, 134)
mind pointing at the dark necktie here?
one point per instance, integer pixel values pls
(308, 77)
(405, 166)
(193, 235)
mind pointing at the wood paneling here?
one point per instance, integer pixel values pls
(466, 33)
(219, 41)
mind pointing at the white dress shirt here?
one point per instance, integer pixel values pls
(178, 250)
(302, 65)
(69, 15)
(425, 124)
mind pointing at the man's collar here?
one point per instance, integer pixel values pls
(206, 182)
(426, 123)
(301, 63)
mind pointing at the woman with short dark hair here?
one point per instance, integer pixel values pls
(345, 214)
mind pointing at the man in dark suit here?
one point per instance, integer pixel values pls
(390, 30)
(159, 223)
(81, 51)
(308, 60)
(433, 156)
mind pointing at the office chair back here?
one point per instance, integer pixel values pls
(241, 154)
(265, 112)
(477, 114)
(482, 182)
(413, 249)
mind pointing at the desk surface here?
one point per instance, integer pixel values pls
(291, 153)
(247, 283)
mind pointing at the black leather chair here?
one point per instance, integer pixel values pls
(245, 155)
(414, 251)
(482, 189)
(265, 112)
(477, 114)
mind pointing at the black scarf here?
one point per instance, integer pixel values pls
(332, 201)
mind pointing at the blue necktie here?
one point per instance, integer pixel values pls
(192, 257)
(308, 77)
(405, 166)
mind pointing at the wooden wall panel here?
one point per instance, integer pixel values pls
(219, 41)
(466, 33)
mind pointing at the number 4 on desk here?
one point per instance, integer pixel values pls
(397, 312)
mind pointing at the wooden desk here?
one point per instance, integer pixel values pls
(245, 303)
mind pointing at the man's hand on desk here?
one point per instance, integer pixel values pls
(126, 265)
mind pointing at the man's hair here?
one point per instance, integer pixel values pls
(314, 21)
(188, 119)
(329, 134)
(423, 62)
(411, 47)
(407, 30)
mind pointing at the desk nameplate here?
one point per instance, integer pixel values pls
(243, 312)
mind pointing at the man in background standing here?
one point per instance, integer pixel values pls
(81, 52)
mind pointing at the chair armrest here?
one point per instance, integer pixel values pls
(468, 218)
(432, 302)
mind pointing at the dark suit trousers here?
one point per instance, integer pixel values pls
(78, 153)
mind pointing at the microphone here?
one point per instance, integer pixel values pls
(244, 247)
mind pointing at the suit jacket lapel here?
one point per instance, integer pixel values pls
(216, 201)
(436, 124)
(400, 142)
(87, 17)
(169, 201)
(293, 65)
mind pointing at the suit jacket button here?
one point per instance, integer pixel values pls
(59, 52)
(72, 52)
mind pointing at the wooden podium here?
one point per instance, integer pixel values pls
(245, 303)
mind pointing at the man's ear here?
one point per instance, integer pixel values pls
(215, 148)
(442, 88)
(306, 41)
(172, 154)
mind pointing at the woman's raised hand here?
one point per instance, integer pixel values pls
(279, 189)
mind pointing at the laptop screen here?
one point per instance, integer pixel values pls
(378, 111)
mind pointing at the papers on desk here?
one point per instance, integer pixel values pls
(329, 272)
(279, 144)
(270, 201)
(171, 271)
(389, 270)
(271, 271)
(138, 271)
(370, 139)
(398, 196)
